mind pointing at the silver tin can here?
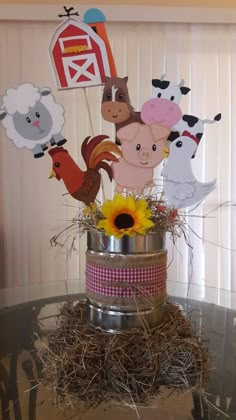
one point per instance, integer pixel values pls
(116, 303)
(114, 320)
(137, 244)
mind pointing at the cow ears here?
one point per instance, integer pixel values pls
(159, 132)
(128, 132)
(3, 114)
(184, 90)
(45, 91)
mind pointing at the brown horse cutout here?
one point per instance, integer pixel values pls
(116, 107)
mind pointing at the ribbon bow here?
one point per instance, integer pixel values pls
(188, 134)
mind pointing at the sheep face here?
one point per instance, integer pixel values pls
(31, 116)
(35, 125)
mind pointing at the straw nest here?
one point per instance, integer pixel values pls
(87, 365)
(165, 220)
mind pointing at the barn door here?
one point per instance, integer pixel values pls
(82, 69)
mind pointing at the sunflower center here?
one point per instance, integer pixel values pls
(124, 221)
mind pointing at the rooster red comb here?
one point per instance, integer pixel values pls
(188, 134)
(56, 150)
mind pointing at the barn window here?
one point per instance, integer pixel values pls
(94, 29)
(75, 44)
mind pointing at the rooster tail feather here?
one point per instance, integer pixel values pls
(104, 156)
(84, 150)
(89, 147)
(107, 168)
(104, 147)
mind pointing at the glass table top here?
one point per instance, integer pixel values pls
(22, 398)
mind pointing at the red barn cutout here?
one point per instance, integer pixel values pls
(78, 55)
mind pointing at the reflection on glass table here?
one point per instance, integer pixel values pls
(23, 399)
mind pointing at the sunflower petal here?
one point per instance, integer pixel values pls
(120, 205)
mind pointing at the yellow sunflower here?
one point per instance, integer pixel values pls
(125, 216)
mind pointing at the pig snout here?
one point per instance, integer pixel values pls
(144, 155)
(162, 111)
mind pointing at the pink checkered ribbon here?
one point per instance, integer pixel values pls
(148, 281)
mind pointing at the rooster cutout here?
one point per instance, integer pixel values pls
(84, 185)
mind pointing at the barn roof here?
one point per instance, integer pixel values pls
(77, 24)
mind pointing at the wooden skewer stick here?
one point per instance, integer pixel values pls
(92, 131)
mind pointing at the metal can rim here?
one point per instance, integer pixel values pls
(117, 321)
(138, 244)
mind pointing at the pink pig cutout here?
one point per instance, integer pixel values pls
(142, 150)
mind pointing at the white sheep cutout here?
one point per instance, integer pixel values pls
(32, 118)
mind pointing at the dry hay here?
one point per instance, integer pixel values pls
(166, 220)
(86, 365)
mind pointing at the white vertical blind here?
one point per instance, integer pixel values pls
(32, 207)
